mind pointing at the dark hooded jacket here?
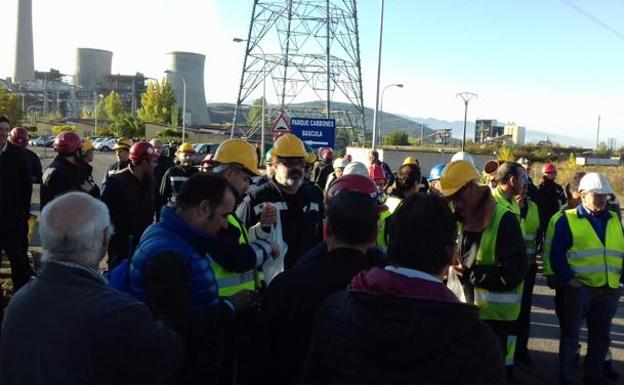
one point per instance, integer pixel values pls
(391, 329)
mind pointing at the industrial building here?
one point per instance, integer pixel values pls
(186, 70)
(517, 133)
(487, 129)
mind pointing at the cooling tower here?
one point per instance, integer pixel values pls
(24, 56)
(189, 66)
(92, 65)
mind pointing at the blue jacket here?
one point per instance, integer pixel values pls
(562, 240)
(173, 234)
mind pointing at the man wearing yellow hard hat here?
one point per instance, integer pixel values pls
(491, 253)
(300, 203)
(176, 175)
(122, 152)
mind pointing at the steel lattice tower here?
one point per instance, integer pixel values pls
(311, 50)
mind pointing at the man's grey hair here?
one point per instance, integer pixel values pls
(73, 228)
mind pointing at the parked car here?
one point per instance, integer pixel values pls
(42, 141)
(105, 145)
(203, 149)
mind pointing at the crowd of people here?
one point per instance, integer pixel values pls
(316, 270)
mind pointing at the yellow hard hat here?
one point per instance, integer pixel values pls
(186, 148)
(311, 157)
(289, 146)
(87, 145)
(123, 143)
(456, 175)
(240, 152)
(410, 160)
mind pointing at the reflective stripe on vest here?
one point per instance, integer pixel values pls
(548, 237)
(229, 282)
(594, 263)
(500, 306)
(530, 226)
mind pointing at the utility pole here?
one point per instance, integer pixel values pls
(598, 134)
(465, 96)
(375, 133)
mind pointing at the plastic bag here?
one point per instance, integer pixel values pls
(455, 285)
(274, 266)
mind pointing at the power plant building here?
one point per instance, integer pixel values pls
(516, 132)
(189, 67)
(92, 67)
(24, 53)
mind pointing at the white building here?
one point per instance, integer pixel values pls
(517, 133)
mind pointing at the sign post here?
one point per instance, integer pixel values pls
(315, 132)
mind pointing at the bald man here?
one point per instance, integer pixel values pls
(68, 324)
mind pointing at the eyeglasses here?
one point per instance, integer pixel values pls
(291, 162)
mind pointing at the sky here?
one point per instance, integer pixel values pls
(548, 65)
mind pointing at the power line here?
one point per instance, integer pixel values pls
(594, 19)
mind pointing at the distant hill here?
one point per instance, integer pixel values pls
(222, 113)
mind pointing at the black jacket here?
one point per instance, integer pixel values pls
(171, 182)
(549, 198)
(291, 303)
(370, 337)
(60, 177)
(68, 327)
(301, 215)
(320, 172)
(35, 166)
(114, 168)
(15, 186)
(131, 206)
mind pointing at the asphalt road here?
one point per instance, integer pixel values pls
(544, 343)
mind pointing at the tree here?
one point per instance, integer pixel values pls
(129, 126)
(571, 164)
(10, 105)
(85, 113)
(505, 154)
(113, 107)
(397, 138)
(157, 102)
(65, 127)
(254, 117)
(100, 110)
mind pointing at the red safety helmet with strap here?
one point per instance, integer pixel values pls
(141, 151)
(549, 168)
(19, 137)
(67, 143)
(356, 182)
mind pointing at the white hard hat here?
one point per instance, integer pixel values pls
(340, 163)
(523, 161)
(462, 155)
(595, 183)
(356, 168)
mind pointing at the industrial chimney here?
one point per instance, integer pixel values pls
(190, 67)
(24, 56)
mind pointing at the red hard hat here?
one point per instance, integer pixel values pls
(141, 151)
(19, 137)
(67, 143)
(355, 182)
(376, 172)
(549, 168)
(327, 153)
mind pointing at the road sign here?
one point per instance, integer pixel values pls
(281, 125)
(315, 132)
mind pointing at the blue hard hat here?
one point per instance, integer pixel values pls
(436, 172)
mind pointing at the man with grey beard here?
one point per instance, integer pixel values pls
(300, 203)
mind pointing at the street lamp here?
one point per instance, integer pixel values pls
(170, 72)
(399, 85)
(465, 96)
(96, 99)
(239, 40)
